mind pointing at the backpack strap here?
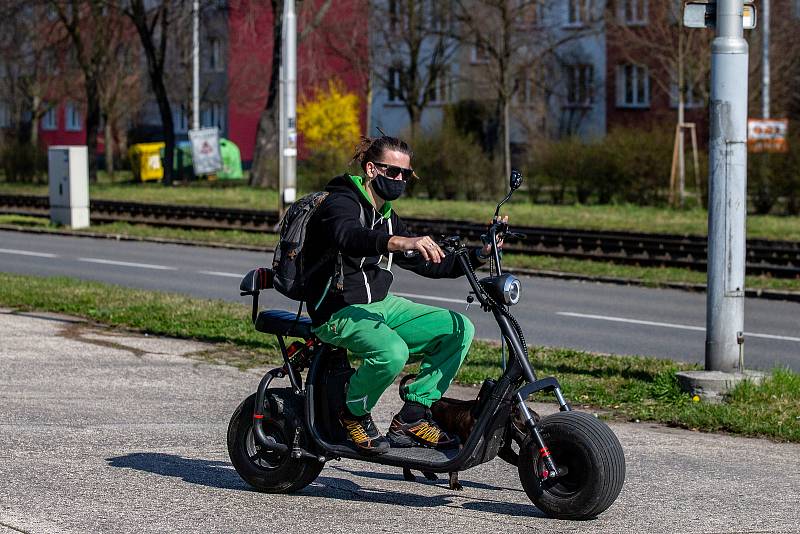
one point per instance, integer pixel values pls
(339, 272)
(391, 254)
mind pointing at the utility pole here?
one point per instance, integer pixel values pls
(195, 64)
(288, 115)
(765, 60)
(681, 120)
(727, 190)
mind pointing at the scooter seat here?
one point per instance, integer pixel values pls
(283, 323)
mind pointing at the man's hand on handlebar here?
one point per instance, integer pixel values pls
(425, 245)
(487, 248)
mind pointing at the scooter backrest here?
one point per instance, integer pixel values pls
(256, 280)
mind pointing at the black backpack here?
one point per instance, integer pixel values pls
(289, 261)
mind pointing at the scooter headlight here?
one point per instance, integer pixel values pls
(505, 288)
(511, 289)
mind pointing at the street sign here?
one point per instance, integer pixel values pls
(767, 135)
(704, 15)
(206, 156)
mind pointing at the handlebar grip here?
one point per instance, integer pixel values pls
(410, 253)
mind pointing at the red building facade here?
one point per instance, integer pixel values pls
(332, 49)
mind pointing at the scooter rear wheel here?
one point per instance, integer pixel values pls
(270, 472)
(594, 462)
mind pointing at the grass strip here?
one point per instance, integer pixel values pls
(628, 387)
(144, 231)
(648, 276)
(623, 217)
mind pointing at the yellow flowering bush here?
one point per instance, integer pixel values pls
(328, 120)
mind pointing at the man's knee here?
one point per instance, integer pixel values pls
(463, 329)
(394, 356)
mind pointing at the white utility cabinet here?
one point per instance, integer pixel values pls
(68, 171)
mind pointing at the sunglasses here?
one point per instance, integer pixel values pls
(392, 171)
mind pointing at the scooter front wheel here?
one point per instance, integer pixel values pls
(270, 472)
(591, 457)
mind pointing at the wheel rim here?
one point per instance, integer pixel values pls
(262, 459)
(567, 455)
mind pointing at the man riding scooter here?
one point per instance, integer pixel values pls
(351, 306)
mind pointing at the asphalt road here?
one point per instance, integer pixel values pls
(109, 432)
(590, 316)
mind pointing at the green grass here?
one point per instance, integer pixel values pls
(610, 217)
(650, 276)
(218, 194)
(219, 237)
(625, 387)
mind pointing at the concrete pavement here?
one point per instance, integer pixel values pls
(107, 431)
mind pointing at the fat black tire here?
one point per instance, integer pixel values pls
(593, 456)
(270, 473)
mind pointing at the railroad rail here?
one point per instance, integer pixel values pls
(780, 259)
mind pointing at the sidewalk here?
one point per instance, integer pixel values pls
(110, 431)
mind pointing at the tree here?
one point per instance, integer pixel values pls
(86, 25)
(154, 26)
(678, 59)
(33, 66)
(121, 86)
(267, 130)
(511, 39)
(412, 48)
(343, 40)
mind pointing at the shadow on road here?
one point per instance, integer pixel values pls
(212, 473)
(339, 488)
(220, 474)
(422, 480)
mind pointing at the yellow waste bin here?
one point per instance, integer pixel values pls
(146, 161)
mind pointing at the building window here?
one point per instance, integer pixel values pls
(212, 115)
(439, 16)
(529, 13)
(442, 88)
(633, 12)
(180, 116)
(50, 119)
(523, 91)
(693, 97)
(479, 54)
(394, 15)
(797, 9)
(394, 85)
(578, 13)
(72, 117)
(5, 115)
(216, 62)
(633, 86)
(580, 85)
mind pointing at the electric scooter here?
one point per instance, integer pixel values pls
(570, 464)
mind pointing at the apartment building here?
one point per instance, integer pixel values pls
(551, 54)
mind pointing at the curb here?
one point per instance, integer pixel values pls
(768, 294)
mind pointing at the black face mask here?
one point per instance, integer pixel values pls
(387, 188)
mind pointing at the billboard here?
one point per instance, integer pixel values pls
(206, 156)
(767, 135)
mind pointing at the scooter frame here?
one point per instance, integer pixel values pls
(484, 441)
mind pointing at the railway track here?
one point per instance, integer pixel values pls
(780, 259)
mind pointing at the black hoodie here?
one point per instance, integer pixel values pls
(366, 261)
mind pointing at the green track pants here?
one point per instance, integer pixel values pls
(385, 334)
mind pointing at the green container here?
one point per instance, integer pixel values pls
(231, 161)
